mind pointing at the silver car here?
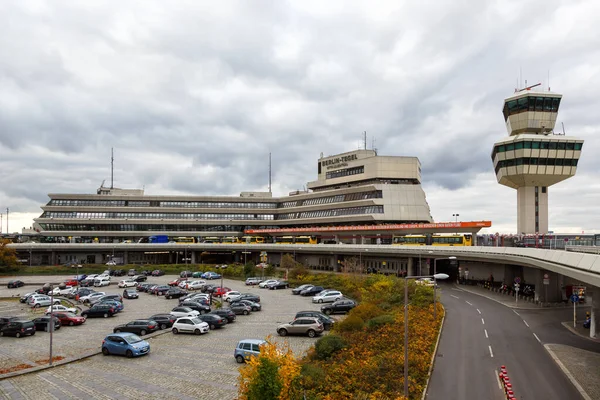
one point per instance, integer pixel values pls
(309, 326)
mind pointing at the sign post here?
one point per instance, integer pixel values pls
(575, 300)
(517, 286)
(546, 282)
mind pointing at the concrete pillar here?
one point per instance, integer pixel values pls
(193, 256)
(125, 257)
(410, 267)
(595, 311)
(53, 258)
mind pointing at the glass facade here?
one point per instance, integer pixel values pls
(345, 172)
(141, 215)
(531, 103)
(333, 213)
(376, 194)
(156, 203)
(567, 162)
(541, 145)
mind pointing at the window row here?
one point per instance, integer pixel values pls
(345, 172)
(87, 203)
(530, 103)
(156, 203)
(108, 215)
(134, 227)
(536, 161)
(553, 145)
(215, 204)
(333, 213)
(375, 194)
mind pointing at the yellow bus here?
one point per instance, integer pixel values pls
(433, 240)
(211, 239)
(252, 239)
(409, 240)
(183, 239)
(305, 240)
(231, 240)
(284, 240)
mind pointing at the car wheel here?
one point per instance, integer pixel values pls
(311, 333)
(129, 353)
(328, 312)
(159, 294)
(320, 300)
(282, 332)
(163, 326)
(117, 331)
(239, 359)
(36, 306)
(1, 333)
(175, 331)
(212, 326)
(71, 323)
(168, 297)
(105, 351)
(143, 332)
(197, 331)
(105, 315)
(18, 334)
(246, 312)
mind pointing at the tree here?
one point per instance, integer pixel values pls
(8, 257)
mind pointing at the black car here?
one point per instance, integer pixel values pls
(43, 323)
(312, 291)
(213, 320)
(5, 320)
(175, 293)
(99, 310)
(160, 290)
(195, 305)
(142, 287)
(146, 272)
(186, 274)
(18, 329)
(340, 306)
(279, 285)
(158, 272)
(254, 306)
(300, 288)
(15, 284)
(130, 294)
(44, 289)
(164, 321)
(208, 288)
(118, 272)
(225, 313)
(139, 326)
(250, 296)
(140, 278)
(326, 320)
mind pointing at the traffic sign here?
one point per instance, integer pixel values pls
(517, 280)
(574, 298)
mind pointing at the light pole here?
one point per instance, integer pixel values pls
(434, 276)
(456, 217)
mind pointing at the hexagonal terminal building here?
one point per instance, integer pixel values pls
(533, 157)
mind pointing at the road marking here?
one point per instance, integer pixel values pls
(468, 303)
(538, 339)
(486, 335)
(516, 312)
(526, 324)
(478, 311)
(456, 297)
(491, 353)
(498, 379)
(482, 321)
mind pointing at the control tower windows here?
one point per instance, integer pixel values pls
(548, 145)
(566, 162)
(530, 103)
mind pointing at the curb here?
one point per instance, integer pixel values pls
(433, 356)
(572, 330)
(69, 360)
(503, 303)
(567, 373)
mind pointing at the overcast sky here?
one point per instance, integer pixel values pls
(194, 95)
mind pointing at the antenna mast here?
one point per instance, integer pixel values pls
(112, 168)
(364, 140)
(269, 172)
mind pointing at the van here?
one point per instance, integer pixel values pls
(102, 281)
(247, 348)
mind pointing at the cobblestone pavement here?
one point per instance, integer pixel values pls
(582, 365)
(178, 366)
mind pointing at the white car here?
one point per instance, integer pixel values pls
(180, 312)
(111, 263)
(190, 325)
(265, 284)
(231, 296)
(183, 284)
(196, 296)
(86, 299)
(63, 292)
(195, 285)
(127, 283)
(61, 308)
(328, 296)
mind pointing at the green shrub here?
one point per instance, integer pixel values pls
(267, 385)
(312, 375)
(350, 324)
(328, 345)
(376, 322)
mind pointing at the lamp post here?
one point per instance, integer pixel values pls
(456, 217)
(434, 276)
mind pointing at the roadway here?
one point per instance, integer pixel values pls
(480, 335)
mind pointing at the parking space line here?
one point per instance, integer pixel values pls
(491, 353)
(478, 311)
(486, 335)
(537, 338)
(456, 297)
(526, 324)
(482, 321)
(468, 303)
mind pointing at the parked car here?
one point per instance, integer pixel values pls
(15, 284)
(186, 274)
(176, 282)
(208, 288)
(118, 272)
(300, 288)
(231, 295)
(91, 296)
(326, 320)
(164, 321)
(264, 284)
(309, 326)
(175, 293)
(43, 323)
(102, 281)
(340, 306)
(183, 284)
(158, 272)
(240, 308)
(199, 297)
(116, 297)
(99, 310)
(45, 289)
(312, 291)
(196, 305)
(253, 305)
(18, 328)
(67, 318)
(279, 285)
(214, 321)
(227, 313)
(125, 343)
(190, 325)
(182, 311)
(5, 320)
(61, 308)
(211, 275)
(132, 272)
(23, 299)
(327, 296)
(160, 290)
(143, 287)
(130, 294)
(80, 277)
(139, 278)
(250, 296)
(139, 326)
(79, 293)
(112, 263)
(220, 291)
(118, 306)
(197, 274)
(58, 291)
(253, 281)
(247, 348)
(70, 282)
(41, 301)
(127, 283)
(195, 285)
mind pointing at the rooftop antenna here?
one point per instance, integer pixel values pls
(548, 80)
(563, 126)
(112, 167)
(269, 172)
(373, 145)
(364, 140)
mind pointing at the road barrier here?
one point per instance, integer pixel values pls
(506, 385)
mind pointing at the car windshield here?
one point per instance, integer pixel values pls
(131, 339)
(70, 315)
(196, 321)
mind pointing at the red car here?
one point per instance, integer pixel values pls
(71, 282)
(177, 281)
(220, 291)
(70, 319)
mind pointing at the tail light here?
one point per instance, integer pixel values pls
(22, 329)
(103, 341)
(151, 326)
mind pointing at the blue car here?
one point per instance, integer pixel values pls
(81, 277)
(125, 343)
(211, 275)
(116, 304)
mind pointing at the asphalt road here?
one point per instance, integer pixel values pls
(479, 336)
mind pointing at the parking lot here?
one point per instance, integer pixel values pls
(178, 366)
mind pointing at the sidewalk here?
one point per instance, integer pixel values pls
(509, 301)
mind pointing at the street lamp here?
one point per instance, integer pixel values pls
(434, 276)
(456, 217)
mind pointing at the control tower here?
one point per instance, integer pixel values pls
(533, 157)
